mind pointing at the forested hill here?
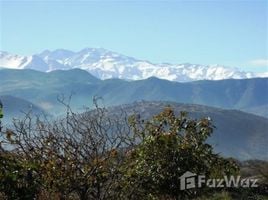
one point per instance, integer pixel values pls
(237, 134)
(40, 88)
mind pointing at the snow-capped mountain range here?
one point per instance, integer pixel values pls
(106, 64)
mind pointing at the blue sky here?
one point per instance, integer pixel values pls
(232, 33)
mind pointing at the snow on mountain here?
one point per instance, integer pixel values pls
(106, 64)
(13, 61)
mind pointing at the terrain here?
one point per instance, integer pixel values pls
(16, 108)
(43, 89)
(236, 134)
(106, 64)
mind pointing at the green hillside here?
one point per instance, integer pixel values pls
(249, 95)
(237, 134)
(15, 108)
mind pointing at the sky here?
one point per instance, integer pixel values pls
(227, 32)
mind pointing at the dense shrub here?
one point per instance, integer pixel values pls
(99, 155)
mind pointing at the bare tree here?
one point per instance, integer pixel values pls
(78, 155)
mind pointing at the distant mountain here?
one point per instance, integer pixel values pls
(237, 134)
(8, 60)
(43, 89)
(105, 64)
(15, 108)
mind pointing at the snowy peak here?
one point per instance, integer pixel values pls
(36, 63)
(13, 61)
(106, 64)
(59, 54)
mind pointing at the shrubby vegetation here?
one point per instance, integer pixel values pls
(96, 155)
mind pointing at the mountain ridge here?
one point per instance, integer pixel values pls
(105, 64)
(237, 133)
(16, 108)
(249, 95)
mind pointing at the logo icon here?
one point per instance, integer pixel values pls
(191, 180)
(187, 180)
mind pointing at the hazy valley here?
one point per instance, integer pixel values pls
(237, 133)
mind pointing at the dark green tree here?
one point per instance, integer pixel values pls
(170, 146)
(1, 114)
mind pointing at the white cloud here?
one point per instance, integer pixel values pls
(259, 62)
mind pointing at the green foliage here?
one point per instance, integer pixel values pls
(96, 156)
(17, 177)
(1, 113)
(1, 110)
(170, 146)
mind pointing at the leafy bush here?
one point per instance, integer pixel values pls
(169, 147)
(98, 155)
